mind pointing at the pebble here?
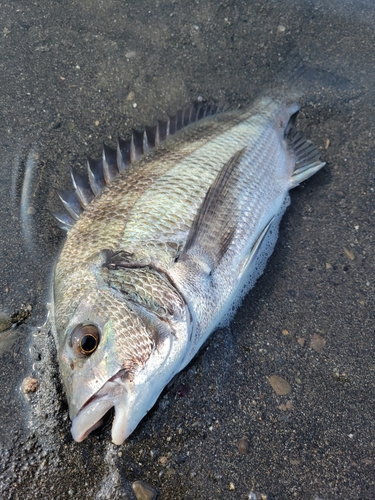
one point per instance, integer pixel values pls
(231, 486)
(144, 491)
(349, 253)
(5, 322)
(20, 316)
(243, 446)
(317, 343)
(29, 384)
(280, 385)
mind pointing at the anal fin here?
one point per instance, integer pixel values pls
(307, 156)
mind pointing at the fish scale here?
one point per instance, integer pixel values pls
(162, 247)
(158, 204)
(116, 202)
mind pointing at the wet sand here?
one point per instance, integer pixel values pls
(76, 73)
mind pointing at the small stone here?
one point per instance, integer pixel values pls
(130, 96)
(280, 385)
(29, 384)
(134, 104)
(328, 265)
(349, 253)
(5, 322)
(144, 491)
(285, 332)
(231, 486)
(96, 123)
(163, 460)
(317, 343)
(31, 210)
(301, 341)
(20, 316)
(243, 446)
(281, 28)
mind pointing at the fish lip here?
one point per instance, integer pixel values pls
(113, 394)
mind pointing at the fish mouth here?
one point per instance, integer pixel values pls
(113, 394)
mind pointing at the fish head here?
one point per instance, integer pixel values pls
(115, 355)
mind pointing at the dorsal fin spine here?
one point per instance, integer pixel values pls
(146, 147)
(113, 161)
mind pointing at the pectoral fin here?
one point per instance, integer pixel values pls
(214, 226)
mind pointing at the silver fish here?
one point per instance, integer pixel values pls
(165, 237)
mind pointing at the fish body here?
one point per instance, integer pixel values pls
(161, 253)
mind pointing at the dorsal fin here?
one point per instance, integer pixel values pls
(102, 172)
(109, 163)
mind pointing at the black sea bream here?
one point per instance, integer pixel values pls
(165, 237)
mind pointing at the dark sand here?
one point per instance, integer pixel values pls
(73, 74)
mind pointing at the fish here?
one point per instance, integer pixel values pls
(165, 236)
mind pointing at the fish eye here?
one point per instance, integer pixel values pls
(85, 339)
